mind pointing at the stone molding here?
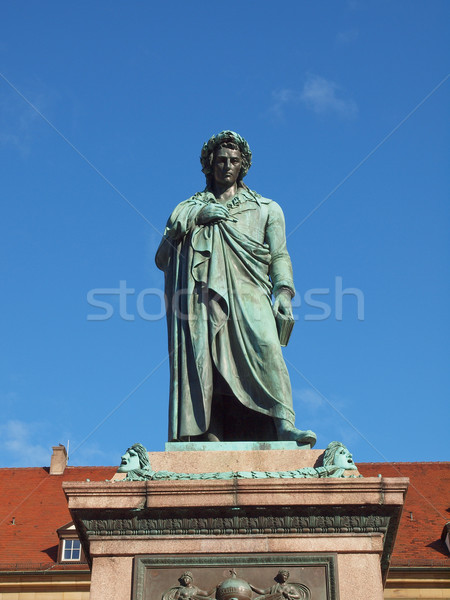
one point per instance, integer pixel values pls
(140, 494)
(320, 523)
(366, 507)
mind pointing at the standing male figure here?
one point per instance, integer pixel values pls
(224, 255)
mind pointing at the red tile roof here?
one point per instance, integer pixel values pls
(425, 513)
(33, 507)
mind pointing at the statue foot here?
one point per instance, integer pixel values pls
(212, 438)
(289, 433)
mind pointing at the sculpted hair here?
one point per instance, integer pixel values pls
(282, 572)
(330, 453)
(143, 456)
(225, 139)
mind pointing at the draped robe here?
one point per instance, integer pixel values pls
(218, 283)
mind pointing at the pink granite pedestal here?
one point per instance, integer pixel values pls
(140, 536)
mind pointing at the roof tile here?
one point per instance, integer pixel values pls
(425, 512)
(33, 507)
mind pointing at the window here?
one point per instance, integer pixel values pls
(71, 550)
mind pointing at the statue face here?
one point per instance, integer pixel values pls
(283, 576)
(227, 166)
(130, 462)
(186, 580)
(343, 459)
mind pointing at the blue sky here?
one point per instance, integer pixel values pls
(104, 108)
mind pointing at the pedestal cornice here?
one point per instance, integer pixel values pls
(273, 492)
(250, 514)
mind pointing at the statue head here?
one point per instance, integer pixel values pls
(282, 576)
(225, 139)
(134, 459)
(186, 578)
(338, 455)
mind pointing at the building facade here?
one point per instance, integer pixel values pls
(41, 557)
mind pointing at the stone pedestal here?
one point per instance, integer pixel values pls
(335, 536)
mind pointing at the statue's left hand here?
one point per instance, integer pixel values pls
(283, 303)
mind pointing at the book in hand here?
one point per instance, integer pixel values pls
(285, 325)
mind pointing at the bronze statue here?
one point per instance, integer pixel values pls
(224, 255)
(235, 588)
(135, 463)
(338, 456)
(187, 590)
(282, 590)
(337, 462)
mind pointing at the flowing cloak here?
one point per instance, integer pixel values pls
(218, 284)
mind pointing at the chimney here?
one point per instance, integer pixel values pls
(58, 461)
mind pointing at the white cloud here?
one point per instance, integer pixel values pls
(29, 444)
(19, 122)
(19, 446)
(308, 398)
(281, 98)
(349, 436)
(320, 95)
(331, 419)
(324, 96)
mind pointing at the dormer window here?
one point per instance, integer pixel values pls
(70, 549)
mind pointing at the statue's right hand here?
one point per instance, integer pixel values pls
(212, 213)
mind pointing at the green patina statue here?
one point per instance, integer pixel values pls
(337, 462)
(224, 255)
(235, 588)
(135, 464)
(283, 590)
(186, 590)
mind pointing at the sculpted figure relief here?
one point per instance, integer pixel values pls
(282, 590)
(339, 456)
(224, 255)
(186, 590)
(135, 463)
(235, 588)
(337, 462)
